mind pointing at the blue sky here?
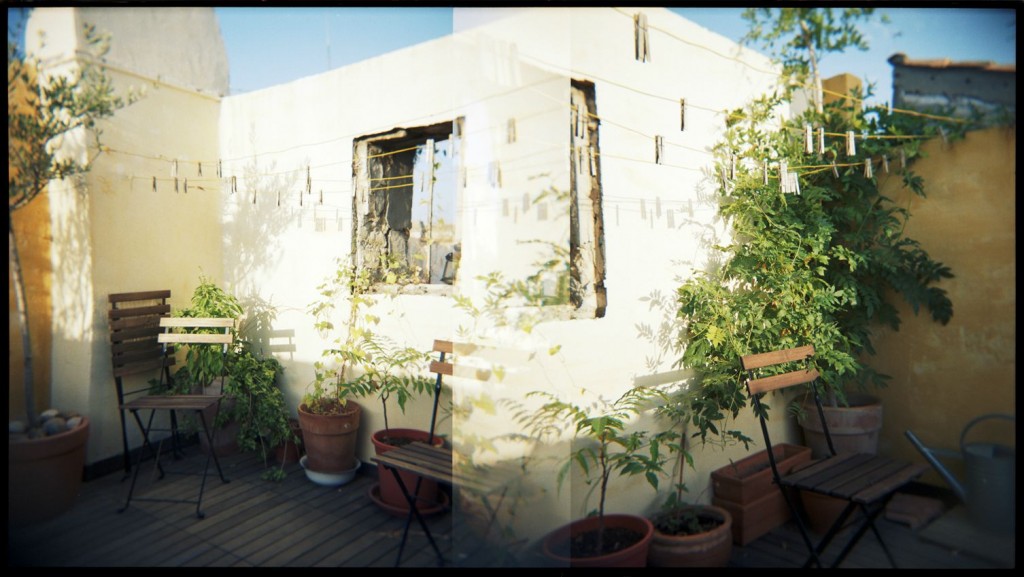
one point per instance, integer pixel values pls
(268, 46)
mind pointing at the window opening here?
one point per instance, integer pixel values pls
(407, 201)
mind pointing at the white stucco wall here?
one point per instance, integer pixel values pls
(503, 64)
(272, 244)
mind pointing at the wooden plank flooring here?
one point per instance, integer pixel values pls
(295, 523)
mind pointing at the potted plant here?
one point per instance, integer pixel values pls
(253, 415)
(328, 418)
(391, 371)
(259, 407)
(46, 452)
(602, 448)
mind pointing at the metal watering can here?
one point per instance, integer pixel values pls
(989, 487)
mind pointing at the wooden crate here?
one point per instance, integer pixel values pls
(751, 520)
(745, 489)
(750, 478)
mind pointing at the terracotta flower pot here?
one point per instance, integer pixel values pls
(708, 549)
(390, 493)
(225, 442)
(44, 475)
(289, 451)
(330, 440)
(556, 545)
(854, 428)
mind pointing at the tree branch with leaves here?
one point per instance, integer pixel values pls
(44, 112)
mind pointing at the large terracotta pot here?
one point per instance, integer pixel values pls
(556, 544)
(330, 440)
(854, 428)
(44, 475)
(710, 549)
(390, 493)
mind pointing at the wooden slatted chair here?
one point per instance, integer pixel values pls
(181, 331)
(866, 482)
(134, 320)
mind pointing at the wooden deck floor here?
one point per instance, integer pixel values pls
(295, 523)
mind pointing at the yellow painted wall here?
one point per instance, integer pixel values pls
(32, 233)
(944, 376)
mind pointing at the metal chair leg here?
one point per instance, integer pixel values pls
(413, 510)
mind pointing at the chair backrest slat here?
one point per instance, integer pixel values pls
(213, 339)
(761, 360)
(197, 322)
(782, 381)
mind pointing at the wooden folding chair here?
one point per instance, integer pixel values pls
(429, 461)
(866, 482)
(176, 331)
(134, 320)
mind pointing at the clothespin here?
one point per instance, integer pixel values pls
(890, 108)
(254, 197)
(279, 197)
(234, 184)
(868, 171)
(309, 181)
(724, 176)
(670, 218)
(903, 159)
(593, 160)
(821, 140)
(300, 198)
(783, 174)
(657, 206)
(174, 169)
(795, 182)
(643, 209)
(219, 171)
(942, 133)
(851, 144)
(659, 149)
(808, 139)
(732, 167)
(186, 185)
(682, 114)
(200, 168)
(175, 184)
(511, 130)
(321, 196)
(835, 170)
(526, 202)
(641, 38)
(154, 184)
(764, 172)
(885, 163)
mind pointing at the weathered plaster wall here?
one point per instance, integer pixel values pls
(945, 376)
(111, 232)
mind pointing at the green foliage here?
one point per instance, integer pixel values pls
(602, 447)
(259, 406)
(822, 267)
(43, 110)
(203, 365)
